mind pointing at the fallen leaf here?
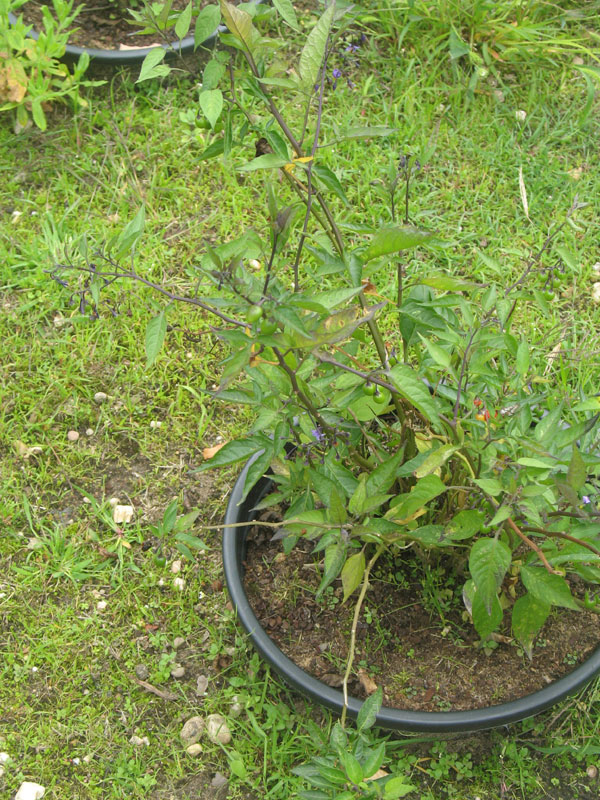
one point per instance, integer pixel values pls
(575, 173)
(138, 46)
(523, 192)
(209, 452)
(381, 773)
(25, 451)
(366, 681)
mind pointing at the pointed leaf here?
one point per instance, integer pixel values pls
(313, 51)
(184, 21)
(286, 10)
(410, 386)
(548, 588)
(393, 239)
(239, 22)
(155, 336)
(211, 103)
(207, 23)
(369, 710)
(352, 573)
(152, 67)
(335, 555)
(577, 473)
(488, 562)
(528, 616)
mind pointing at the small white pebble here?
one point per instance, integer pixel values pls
(87, 758)
(30, 791)
(176, 567)
(194, 749)
(155, 424)
(1, 771)
(521, 115)
(86, 500)
(4, 758)
(179, 584)
(114, 501)
(15, 215)
(34, 669)
(100, 397)
(161, 581)
(178, 672)
(122, 514)
(101, 605)
(596, 292)
(72, 436)
(254, 263)
(578, 61)
(178, 642)
(76, 760)
(138, 741)
(89, 431)
(596, 268)
(592, 771)
(2, 595)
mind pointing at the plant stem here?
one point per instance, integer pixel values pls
(357, 608)
(561, 535)
(532, 545)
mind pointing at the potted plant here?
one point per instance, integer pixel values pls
(125, 34)
(387, 425)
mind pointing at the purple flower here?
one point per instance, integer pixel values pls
(337, 73)
(352, 48)
(586, 500)
(319, 435)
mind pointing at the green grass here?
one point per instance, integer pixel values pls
(68, 701)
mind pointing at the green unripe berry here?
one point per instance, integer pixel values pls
(369, 389)
(379, 397)
(254, 313)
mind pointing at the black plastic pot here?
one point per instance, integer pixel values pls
(116, 58)
(434, 722)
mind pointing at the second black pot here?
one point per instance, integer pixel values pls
(434, 722)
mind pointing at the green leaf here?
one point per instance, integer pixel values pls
(330, 180)
(169, 517)
(435, 459)
(397, 787)
(465, 525)
(238, 450)
(411, 387)
(486, 613)
(383, 477)
(488, 562)
(155, 336)
(547, 426)
(352, 767)
(192, 541)
(357, 501)
(577, 473)
(131, 233)
(152, 67)
(213, 72)
(207, 23)
(522, 361)
(352, 573)
(257, 470)
(184, 20)
(211, 103)
(337, 508)
(447, 283)
(438, 354)
(336, 297)
(424, 490)
(268, 161)
(502, 514)
(456, 46)
(528, 616)
(37, 112)
(355, 268)
(393, 239)
(489, 486)
(213, 150)
(286, 10)
(313, 52)
(335, 555)
(369, 710)
(239, 22)
(548, 588)
(364, 132)
(374, 760)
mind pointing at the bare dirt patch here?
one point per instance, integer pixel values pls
(425, 659)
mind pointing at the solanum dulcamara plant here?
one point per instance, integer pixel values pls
(407, 418)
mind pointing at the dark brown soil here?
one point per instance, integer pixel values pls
(101, 25)
(423, 658)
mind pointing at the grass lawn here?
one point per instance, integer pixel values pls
(88, 611)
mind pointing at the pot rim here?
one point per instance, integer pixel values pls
(391, 718)
(117, 58)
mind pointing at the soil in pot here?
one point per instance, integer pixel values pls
(99, 24)
(412, 639)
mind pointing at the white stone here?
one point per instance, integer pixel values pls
(194, 749)
(178, 672)
(114, 501)
(521, 115)
(4, 758)
(596, 267)
(89, 431)
(217, 729)
(101, 605)
(100, 397)
(176, 567)
(192, 730)
(179, 584)
(30, 791)
(596, 292)
(155, 424)
(122, 514)
(72, 436)
(138, 741)
(178, 642)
